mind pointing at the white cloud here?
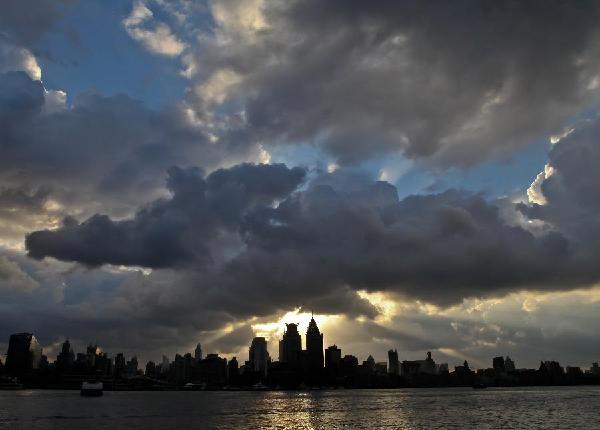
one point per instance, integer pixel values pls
(54, 101)
(156, 37)
(239, 17)
(16, 58)
(216, 88)
(534, 192)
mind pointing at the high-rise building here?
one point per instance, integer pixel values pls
(150, 369)
(369, 363)
(233, 369)
(65, 359)
(393, 362)
(131, 367)
(509, 364)
(381, 368)
(333, 356)
(258, 355)
(24, 354)
(92, 354)
(314, 347)
(120, 364)
(498, 364)
(213, 369)
(198, 352)
(164, 365)
(290, 346)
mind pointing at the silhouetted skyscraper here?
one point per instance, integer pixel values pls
(498, 364)
(258, 355)
(24, 354)
(369, 363)
(393, 362)
(91, 354)
(509, 365)
(164, 365)
(233, 369)
(333, 356)
(198, 352)
(150, 369)
(120, 364)
(65, 359)
(290, 346)
(314, 346)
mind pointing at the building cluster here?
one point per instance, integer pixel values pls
(314, 366)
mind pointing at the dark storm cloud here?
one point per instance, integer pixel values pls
(170, 232)
(571, 190)
(452, 82)
(438, 248)
(316, 247)
(110, 152)
(25, 21)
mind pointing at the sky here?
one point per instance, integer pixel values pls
(422, 175)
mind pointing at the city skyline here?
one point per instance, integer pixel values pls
(295, 368)
(261, 356)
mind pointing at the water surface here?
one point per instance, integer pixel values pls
(494, 408)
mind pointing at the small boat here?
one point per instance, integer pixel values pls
(479, 386)
(194, 387)
(10, 384)
(91, 389)
(259, 386)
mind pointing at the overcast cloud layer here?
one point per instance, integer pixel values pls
(152, 228)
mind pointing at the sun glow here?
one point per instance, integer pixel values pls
(273, 331)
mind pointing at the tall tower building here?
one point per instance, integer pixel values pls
(393, 362)
(314, 352)
(198, 352)
(24, 354)
(258, 355)
(290, 346)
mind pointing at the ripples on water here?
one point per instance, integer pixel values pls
(519, 408)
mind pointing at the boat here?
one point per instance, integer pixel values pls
(91, 389)
(259, 386)
(479, 386)
(194, 387)
(10, 384)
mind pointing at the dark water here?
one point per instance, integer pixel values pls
(521, 408)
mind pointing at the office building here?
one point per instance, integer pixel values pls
(24, 354)
(258, 356)
(290, 346)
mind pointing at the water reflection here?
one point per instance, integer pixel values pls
(543, 408)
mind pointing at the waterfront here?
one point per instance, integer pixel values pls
(450, 408)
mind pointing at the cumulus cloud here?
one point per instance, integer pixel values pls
(250, 230)
(569, 186)
(452, 83)
(157, 37)
(14, 58)
(175, 231)
(127, 146)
